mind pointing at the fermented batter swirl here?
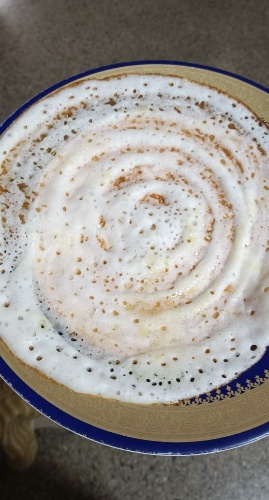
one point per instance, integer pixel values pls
(141, 214)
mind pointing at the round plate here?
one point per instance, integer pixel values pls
(232, 415)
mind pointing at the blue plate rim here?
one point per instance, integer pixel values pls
(124, 442)
(15, 114)
(72, 423)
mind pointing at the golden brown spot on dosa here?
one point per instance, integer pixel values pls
(154, 199)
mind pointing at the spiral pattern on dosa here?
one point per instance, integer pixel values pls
(157, 208)
(157, 223)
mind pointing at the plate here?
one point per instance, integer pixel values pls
(230, 416)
